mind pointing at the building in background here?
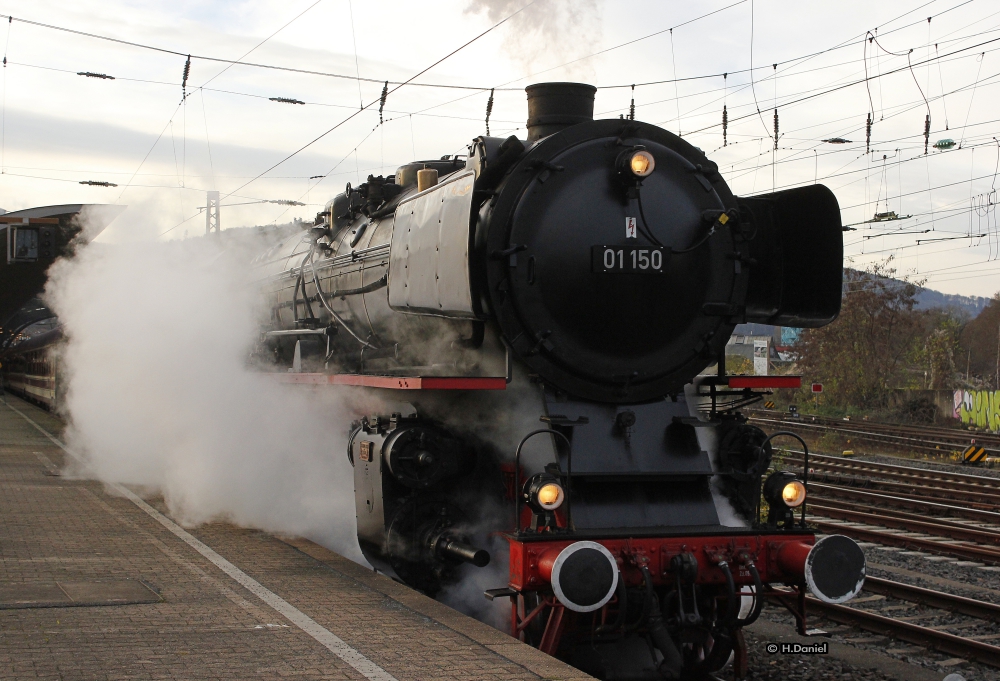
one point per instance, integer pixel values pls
(762, 347)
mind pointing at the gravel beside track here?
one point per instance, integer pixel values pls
(791, 667)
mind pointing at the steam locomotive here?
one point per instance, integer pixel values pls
(530, 326)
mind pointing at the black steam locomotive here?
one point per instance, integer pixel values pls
(533, 321)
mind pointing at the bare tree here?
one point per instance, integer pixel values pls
(865, 352)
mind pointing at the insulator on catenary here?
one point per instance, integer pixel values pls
(97, 183)
(381, 103)
(775, 129)
(284, 202)
(927, 131)
(725, 114)
(88, 74)
(286, 100)
(187, 72)
(489, 110)
(868, 135)
(631, 108)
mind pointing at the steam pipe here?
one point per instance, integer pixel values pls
(672, 662)
(758, 597)
(322, 299)
(619, 622)
(732, 609)
(459, 550)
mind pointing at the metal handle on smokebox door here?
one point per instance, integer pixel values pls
(805, 469)
(517, 477)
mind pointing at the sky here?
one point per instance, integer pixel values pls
(810, 61)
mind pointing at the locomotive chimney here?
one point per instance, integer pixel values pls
(554, 106)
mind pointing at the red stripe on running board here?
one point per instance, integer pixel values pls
(765, 381)
(397, 382)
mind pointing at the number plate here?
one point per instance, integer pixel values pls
(628, 259)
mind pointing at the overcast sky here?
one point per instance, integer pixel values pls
(60, 128)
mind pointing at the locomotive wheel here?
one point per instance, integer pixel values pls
(704, 653)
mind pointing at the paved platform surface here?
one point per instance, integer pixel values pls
(96, 583)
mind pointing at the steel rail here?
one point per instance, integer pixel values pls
(905, 631)
(820, 491)
(966, 437)
(972, 499)
(916, 441)
(911, 503)
(943, 548)
(934, 599)
(876, 511)
(960, 437)
(973, 482)
(949, 531)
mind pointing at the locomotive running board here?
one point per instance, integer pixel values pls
(396, 382)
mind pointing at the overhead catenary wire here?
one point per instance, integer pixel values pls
(386, 92)
(753, 89)
(227, 91)
(150, 151)
(612, 86)
(677, 104)
(900, 112)
(357, 64)
(837, 88)
(972, 99)
(748, 86)
(675, 100)
(234, 62)
(230, 64)
(187, 69)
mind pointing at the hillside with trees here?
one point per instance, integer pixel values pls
(883, 341)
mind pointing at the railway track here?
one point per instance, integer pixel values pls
(929, 511)
(894, 501)
(959, 435)
(939, 512)
(898, 471)
(896, 596)
(982, 500)
(933, 638)
(926, 439)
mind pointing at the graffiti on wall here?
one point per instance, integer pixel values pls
(978, 408)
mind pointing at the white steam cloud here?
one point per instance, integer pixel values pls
(546, 34)
(158, 393)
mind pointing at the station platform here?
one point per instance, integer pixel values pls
(98, 583)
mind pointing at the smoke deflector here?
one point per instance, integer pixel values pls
(429, 256)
